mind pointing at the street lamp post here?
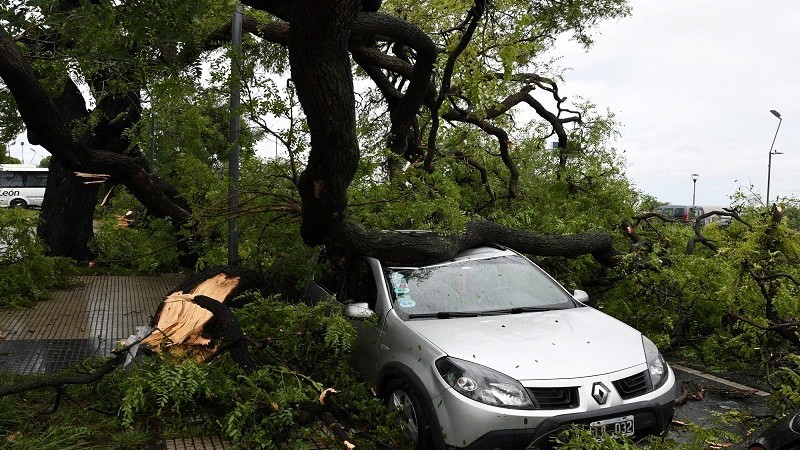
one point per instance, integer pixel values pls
(233, 139)
(695, 176)
(771, 152)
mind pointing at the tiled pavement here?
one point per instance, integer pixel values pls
(79, 323)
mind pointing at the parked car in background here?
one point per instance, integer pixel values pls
(684, 213)
(487, 351)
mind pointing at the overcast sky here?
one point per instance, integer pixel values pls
(692, 82)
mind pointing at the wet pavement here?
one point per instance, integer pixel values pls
(717, 403)
(79, 323)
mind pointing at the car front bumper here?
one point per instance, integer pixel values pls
(469, 425)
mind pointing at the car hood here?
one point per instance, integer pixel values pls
(568, 343)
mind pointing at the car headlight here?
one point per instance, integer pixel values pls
(656, 366)
(483, 384)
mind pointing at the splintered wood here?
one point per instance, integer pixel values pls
(181, 322)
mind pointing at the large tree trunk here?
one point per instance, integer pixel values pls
(320, 65)
(319, 33)
(65, 223)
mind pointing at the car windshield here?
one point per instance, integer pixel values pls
(499, 285)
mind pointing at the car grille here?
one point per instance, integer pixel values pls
(555, 398)
(633, 386)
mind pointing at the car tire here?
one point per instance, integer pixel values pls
(18, 203)
(402, 396)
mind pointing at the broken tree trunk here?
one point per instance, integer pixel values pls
(187, 321)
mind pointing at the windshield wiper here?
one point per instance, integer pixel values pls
(443, 315)
(521, 309)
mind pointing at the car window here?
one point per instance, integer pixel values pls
(360, 286)
(666, 211)
(679, 212)
(474, 286)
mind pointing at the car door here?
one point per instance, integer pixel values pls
(361, 286)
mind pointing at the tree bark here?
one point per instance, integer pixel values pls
(421, 248)
(320, 67)
(65, 222)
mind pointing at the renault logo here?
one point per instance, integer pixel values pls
(600, 393)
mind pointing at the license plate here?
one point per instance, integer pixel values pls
(617, 425)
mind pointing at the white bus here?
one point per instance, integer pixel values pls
(22, 185)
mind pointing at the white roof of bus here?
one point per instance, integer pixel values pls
(21, 167)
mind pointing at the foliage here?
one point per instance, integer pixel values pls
(133, 241)
(787, 377)
(26, 274)
(726, 308)
(87, 420)
(271, 407)
(577, 438)
(5, 158)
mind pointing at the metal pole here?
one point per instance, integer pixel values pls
(152, 137)
(769, 163)
(233, 158)
(694, 190)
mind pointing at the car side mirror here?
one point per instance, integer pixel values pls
(358, 311)
(580, 295)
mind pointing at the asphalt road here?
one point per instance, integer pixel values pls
(715, 403)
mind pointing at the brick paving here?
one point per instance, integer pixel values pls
(196, 443)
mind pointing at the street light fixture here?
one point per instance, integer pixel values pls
(695, 176)
(771, 152)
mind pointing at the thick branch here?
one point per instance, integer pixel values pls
(42, 117)
(59, 380)
(320, 66)
(367, 26)
(231, 331)
(425, 248)
(503, 144)
(484, 175)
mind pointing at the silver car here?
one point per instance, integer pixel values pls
(486, 351)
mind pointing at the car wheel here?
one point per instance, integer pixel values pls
(403, 398)
(18, 203)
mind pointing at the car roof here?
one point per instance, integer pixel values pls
(482, 252)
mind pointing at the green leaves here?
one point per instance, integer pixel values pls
(26, 274)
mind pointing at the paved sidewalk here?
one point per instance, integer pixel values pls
(79, 323)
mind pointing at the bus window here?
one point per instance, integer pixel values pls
(37, 180)
(11, 179)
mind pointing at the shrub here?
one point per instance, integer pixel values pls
(145, 245)
(27, 275)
